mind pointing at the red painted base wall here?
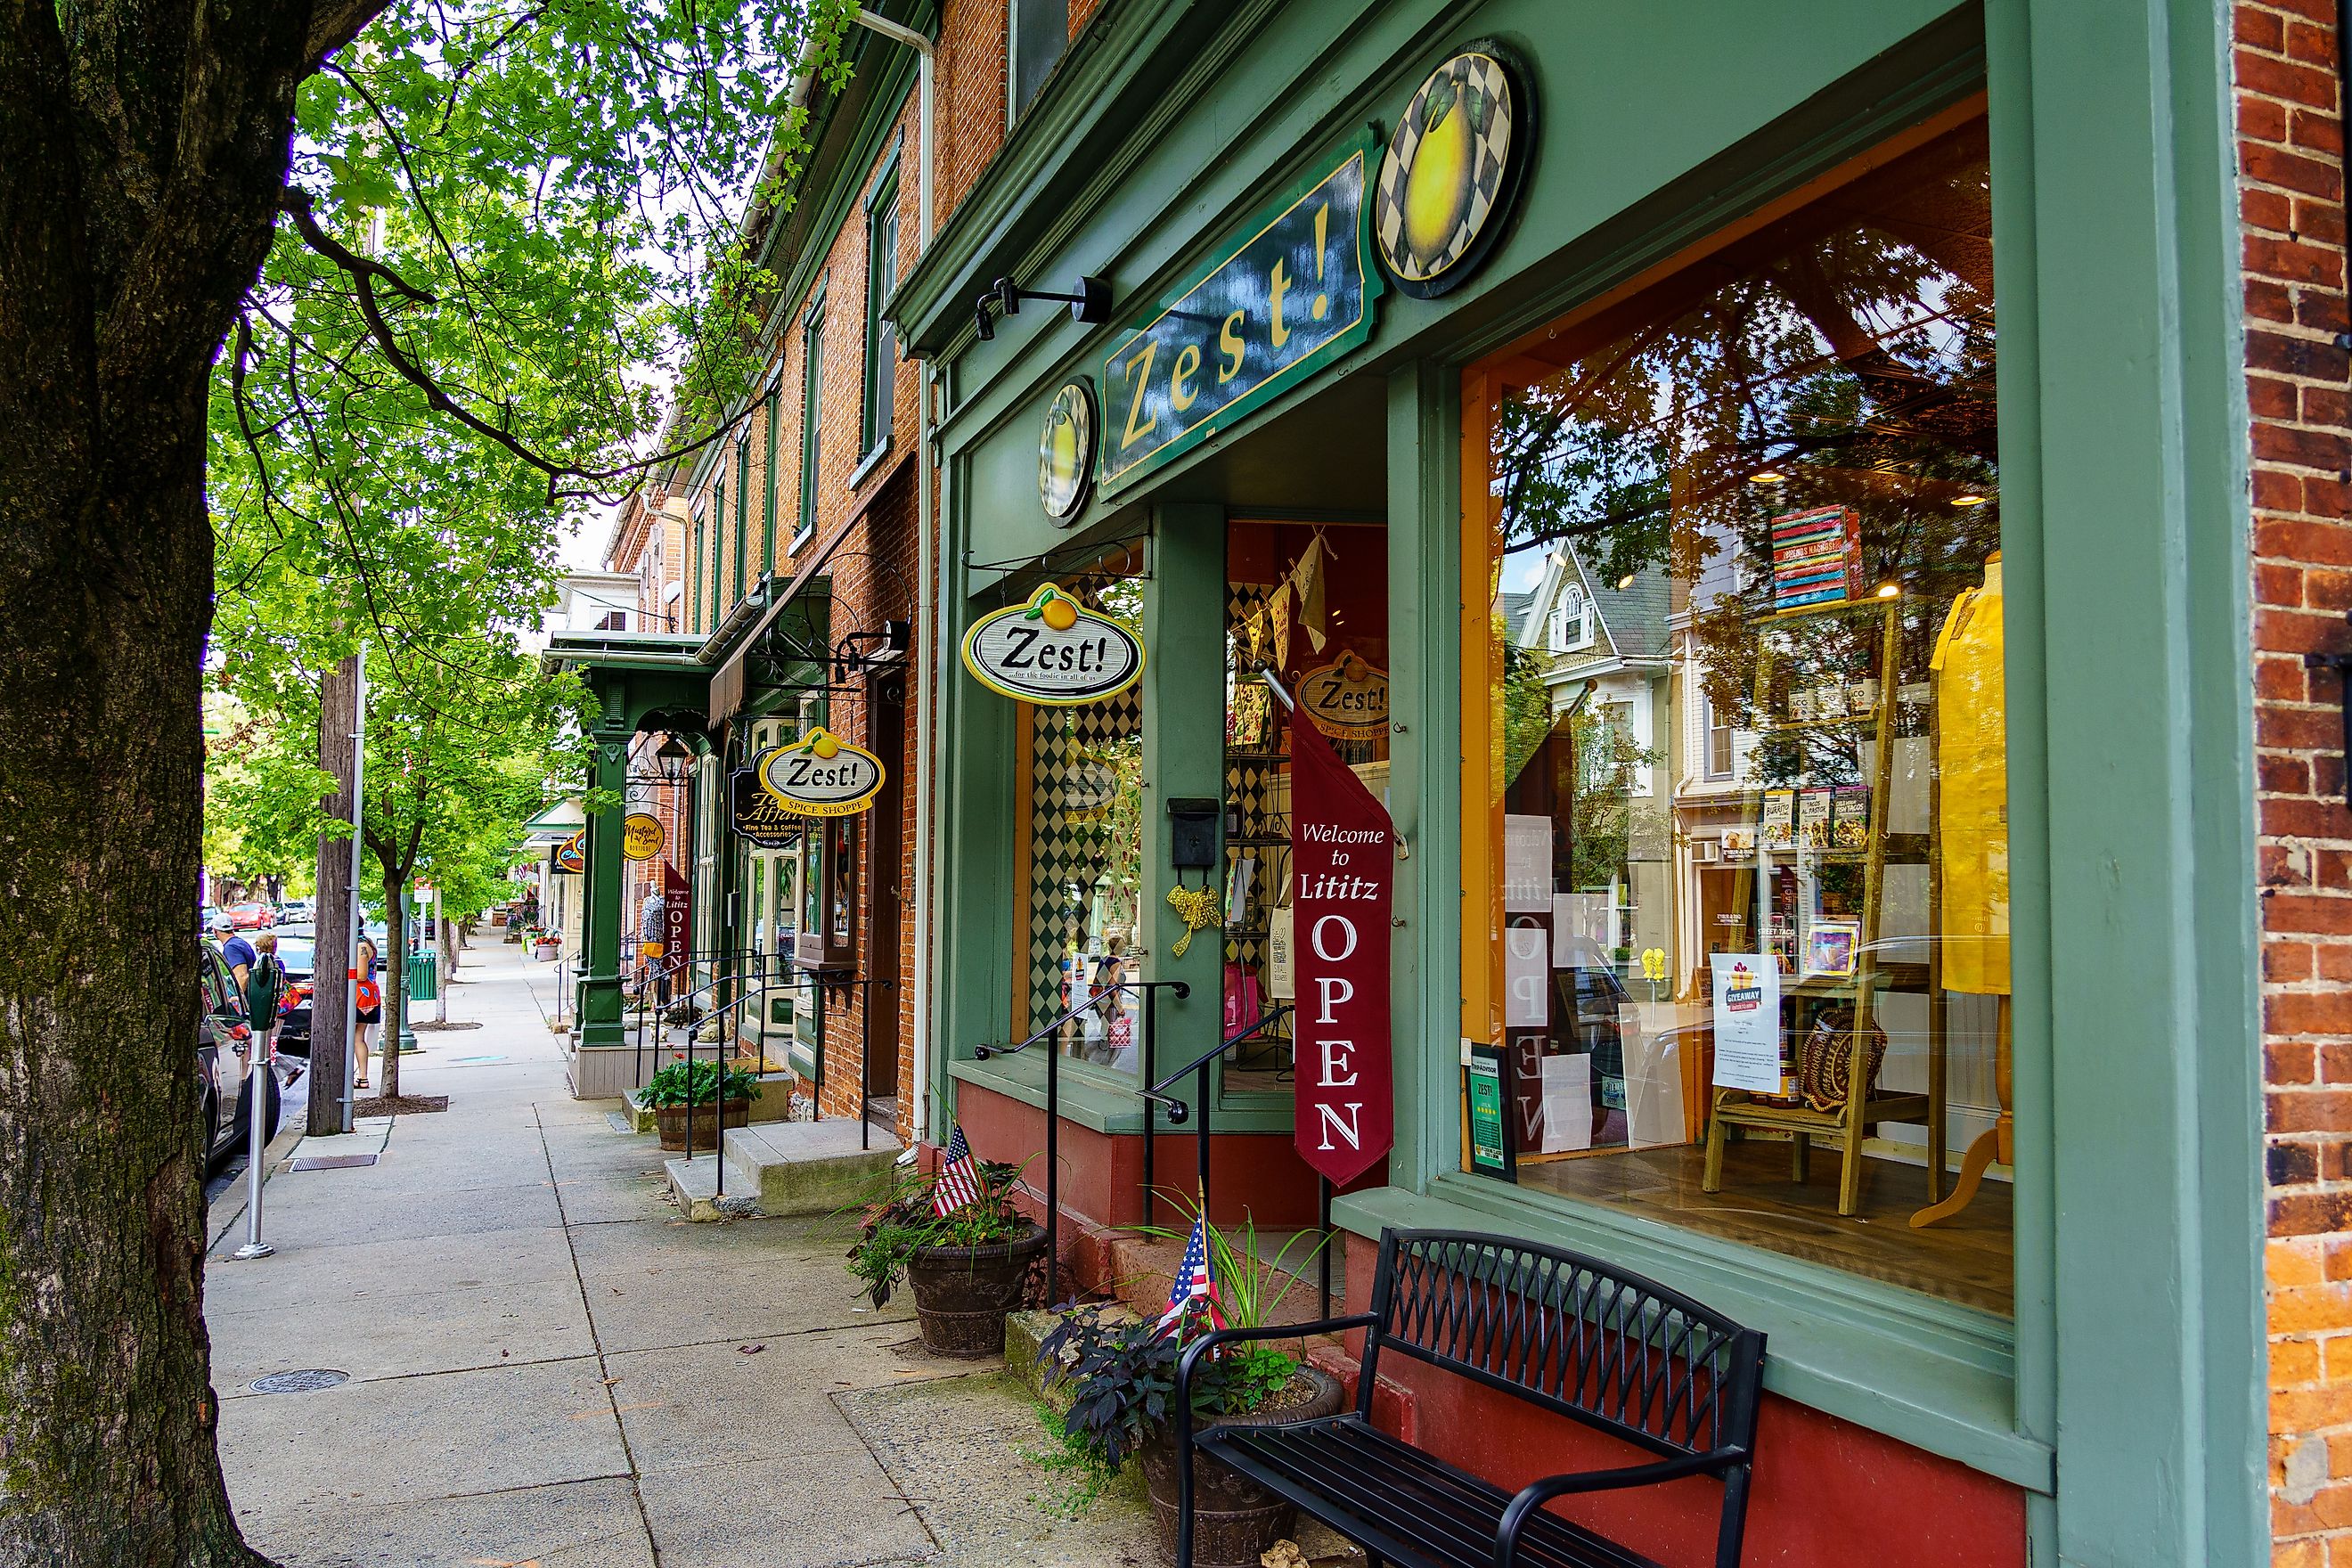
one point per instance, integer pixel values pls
(1252, 1175)
(1826, 1493)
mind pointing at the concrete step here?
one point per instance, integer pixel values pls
(785, 1168)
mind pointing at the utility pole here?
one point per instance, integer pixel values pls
(338, 697)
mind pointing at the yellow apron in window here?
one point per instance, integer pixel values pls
(1972, 754)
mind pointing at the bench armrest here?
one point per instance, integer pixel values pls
(1535, 1494)
(1182, 1413)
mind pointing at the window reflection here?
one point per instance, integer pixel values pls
(1742, 704)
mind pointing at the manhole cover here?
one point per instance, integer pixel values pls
(308, 1381)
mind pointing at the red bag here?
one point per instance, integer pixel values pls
(371, 996)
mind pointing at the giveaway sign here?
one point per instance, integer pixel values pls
(1343, 861)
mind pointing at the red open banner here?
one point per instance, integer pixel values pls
(1343, 862)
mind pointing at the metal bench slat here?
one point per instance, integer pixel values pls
(1405, 1504)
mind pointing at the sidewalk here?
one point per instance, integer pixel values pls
(546, 1365)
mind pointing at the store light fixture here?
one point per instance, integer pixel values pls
(1767, 477)
(673, 758)
(1889, 590)
(1625, 581)
(1972, 499)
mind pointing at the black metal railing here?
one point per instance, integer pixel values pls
(1149, 991)
(1181, 1111)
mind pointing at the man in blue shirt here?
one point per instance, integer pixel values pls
(236, 950)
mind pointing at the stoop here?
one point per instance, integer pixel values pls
(786, 1168)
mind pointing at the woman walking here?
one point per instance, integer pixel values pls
(368, 999)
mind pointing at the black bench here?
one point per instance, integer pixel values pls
(1561, 1331)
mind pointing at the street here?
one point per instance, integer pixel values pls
(545, 1364)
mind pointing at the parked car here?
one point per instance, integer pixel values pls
(251, 915)
(223, 1053)
(298, 953)
(296, 910)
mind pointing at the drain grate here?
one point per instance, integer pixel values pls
(333, 1162)
(308, 1381)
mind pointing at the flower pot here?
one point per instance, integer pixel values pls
(669, 1121)
(1234, 1519)
(962, 1293)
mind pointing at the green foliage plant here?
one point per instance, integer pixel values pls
(902, 1223)
(699, 1083)
(1122, 1370)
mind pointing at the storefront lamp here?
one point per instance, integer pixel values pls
(1970, 499)
(1767, 477)
(673, 758)
(1889, 590)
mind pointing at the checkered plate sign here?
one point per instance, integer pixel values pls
(1447, 171)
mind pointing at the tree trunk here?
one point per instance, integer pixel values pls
(330, 1041)
(107, 1415)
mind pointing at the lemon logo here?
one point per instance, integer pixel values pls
(1451, 169)
(1065, 452)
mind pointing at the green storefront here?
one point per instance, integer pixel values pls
(1620, 453)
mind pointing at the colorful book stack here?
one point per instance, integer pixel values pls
(1816, 556)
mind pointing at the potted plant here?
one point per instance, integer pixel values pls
(703, 1086)
(967, 1266)
(1123, 1375)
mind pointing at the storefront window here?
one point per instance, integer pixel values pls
(1739, 704)
(1307, 603)
(1084, 848)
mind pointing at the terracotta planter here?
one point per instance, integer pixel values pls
(962, 1293)
(669, 1121)
(1234, 1519)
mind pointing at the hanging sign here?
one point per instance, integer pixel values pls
(641, 836)
(1343, 886)
(572, 855)
(1053, 651)
(1292, 292)
(678, 916)
(1451, 168)
(758, 818)
(821, 774)
(1348, 699)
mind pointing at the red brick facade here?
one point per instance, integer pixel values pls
(2290, 195)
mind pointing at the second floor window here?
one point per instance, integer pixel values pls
(742, 508)
(1570, 625)
(717, 550)
(881, 278)
(768, 485)
(1040, 31)
(812, 396)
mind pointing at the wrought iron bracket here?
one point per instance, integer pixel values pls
(2341, 663)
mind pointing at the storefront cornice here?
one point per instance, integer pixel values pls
(1074, 143)
(619, 650)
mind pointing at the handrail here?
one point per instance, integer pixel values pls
(1149, 991)
(1177, 1108)
(1182, 988)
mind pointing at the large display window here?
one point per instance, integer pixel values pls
(1736, 933)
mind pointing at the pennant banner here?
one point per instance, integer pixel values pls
(1343, 865)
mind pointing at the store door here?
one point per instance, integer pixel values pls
(886, 705)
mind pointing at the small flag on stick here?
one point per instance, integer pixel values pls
(958, 1180)
(1196, 1283)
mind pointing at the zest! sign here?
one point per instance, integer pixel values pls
(1053, 651)
(821, 774)
(1348, 699)
(1292, 292)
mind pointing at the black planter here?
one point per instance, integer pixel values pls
(962, 1293)
(1234, 1519)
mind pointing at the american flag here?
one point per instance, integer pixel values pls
(959, 1179)
(1196, 1283)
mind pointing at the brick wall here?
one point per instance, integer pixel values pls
(2291, 187)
